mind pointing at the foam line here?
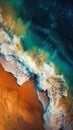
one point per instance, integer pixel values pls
(22, 66)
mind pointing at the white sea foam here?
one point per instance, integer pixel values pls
(22, 66)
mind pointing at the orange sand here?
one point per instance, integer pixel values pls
(19, 106)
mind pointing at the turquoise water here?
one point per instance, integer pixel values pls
(48, 30)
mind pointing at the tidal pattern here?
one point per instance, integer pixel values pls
(36, 41)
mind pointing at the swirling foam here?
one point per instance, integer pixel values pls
(22, 66)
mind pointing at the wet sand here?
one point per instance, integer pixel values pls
(20, 108)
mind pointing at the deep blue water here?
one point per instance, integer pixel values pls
(51, 30)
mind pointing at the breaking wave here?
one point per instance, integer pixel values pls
(22, 65)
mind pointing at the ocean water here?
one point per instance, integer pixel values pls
(36, 41)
